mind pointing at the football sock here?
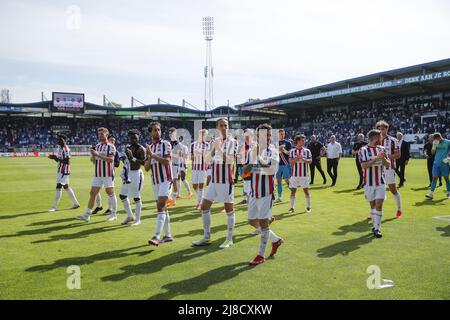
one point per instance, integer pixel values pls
(273, 236)
(112, 203)
(378, 215)
(187, 186)
(199, 195)
(98, 199)
(160, 221)
(127, 207)
(138, 210)
(398, 201)
(373, 216)
(308, 201)
(167, 224)
(206, 217)
(292, 202)
(231, 217)
(433, 185)
(72, 195)
(280, 190)
(58, 195)
(263, 242)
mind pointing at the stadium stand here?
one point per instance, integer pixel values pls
(414, 100)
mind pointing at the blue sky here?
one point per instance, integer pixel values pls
(151, 49)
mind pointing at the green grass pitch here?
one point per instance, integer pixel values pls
(325, 256)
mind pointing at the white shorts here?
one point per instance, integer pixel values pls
(375, 192)
(103, 182)
(295, 182)
(133, 189)
(163, 189)
(389, 176)
(62, 179)
(260, 208)
(198, 176)
(209, 172)
(220, 192)
(175, 171)
(247, 186)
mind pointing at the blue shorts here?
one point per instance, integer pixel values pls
(441, 169)
(284, 172)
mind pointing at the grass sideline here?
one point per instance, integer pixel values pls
(326, 254)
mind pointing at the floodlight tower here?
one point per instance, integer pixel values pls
(208, 32)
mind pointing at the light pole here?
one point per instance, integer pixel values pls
(208, 32)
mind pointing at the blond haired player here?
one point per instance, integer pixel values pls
(391, 146)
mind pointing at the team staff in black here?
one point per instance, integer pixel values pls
(316, 149)
(402, 162)
(430, 159)
(356, 148)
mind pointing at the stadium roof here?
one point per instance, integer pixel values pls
(432, 77)
(168, 110)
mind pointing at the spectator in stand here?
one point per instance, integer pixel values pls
(415, 118)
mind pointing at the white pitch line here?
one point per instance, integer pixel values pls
(445, 218)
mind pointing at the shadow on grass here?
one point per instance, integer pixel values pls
(81, 234)
(344, 247)
(428, 202)
(420, 189)
(445, 231)
(48, 229)
(80, 261)
(177, 257)
(49, 222)
(185, 217)
(180, 210)
(346, 191)
(360, 226)
(202, 282)
(320, 188)
(288, 215)
(26, 214)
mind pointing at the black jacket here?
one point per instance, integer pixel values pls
(404, 152)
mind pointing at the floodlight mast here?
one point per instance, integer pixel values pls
(208, 32)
